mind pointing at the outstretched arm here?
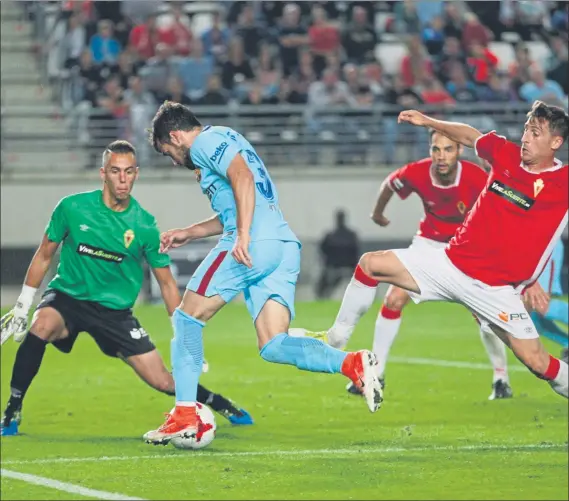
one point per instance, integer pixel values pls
(178, 237)
(455, 131)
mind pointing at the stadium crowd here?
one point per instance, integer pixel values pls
(122, 59)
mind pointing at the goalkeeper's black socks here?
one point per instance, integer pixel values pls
(217, 402)
(26, 366)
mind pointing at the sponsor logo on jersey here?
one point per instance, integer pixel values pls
(97, 253)
(128, 238)
(537, 187)
(219, 151)
(210, 191)
(511, 195)
(461, 206)
(252, 157)
(505, 317)
(83, 227)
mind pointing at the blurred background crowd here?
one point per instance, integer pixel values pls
(110, 64)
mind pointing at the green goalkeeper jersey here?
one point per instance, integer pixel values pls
(102, 250)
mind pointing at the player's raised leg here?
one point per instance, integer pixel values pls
(313, 355)
(271, 304)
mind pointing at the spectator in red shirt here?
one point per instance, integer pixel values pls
(324, 38)
(178, 34)
(144, 38)
(474, 32)
(481, 63)
(415, 63)
(434, 93)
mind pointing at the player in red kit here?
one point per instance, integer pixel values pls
(448, 188)
(505, 241)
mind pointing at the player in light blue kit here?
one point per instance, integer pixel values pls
(550, 280)
(257, 254)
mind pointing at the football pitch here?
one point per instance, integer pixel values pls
(435, 437)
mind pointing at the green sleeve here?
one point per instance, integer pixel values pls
(152, 249)
(57, 228)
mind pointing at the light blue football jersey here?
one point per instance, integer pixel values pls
(212, 152)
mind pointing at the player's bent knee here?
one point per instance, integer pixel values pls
(47, 324)
(200, 307)
(395, 299)
(366, 260)
(377, 264)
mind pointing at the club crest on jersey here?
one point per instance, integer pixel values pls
(128, 238)
(461, 206)
(537, 187)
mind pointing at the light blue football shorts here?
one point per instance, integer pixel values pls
(276, 265)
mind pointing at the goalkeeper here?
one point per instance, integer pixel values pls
(105, 237)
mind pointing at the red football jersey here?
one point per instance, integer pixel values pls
(510, 232)
(445, 206)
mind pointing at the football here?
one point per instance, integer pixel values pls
(205, 434)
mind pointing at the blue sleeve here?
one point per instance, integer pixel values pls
(215, 152)
(96, 49)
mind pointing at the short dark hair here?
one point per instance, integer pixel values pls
(171, 117)
(120, 146)
(556, 118)
(432, 132)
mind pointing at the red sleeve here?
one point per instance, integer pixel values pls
(406, 73)
(134, 36)
(491, 58)
(167, 36)
(312, 34)
(400, 181)
(488, 146)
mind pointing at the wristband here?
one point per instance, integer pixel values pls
(26, 297)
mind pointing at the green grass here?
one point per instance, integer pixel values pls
(427, 441)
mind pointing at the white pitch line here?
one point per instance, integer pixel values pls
(64, 486)
(450, 363)
(309, 452)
